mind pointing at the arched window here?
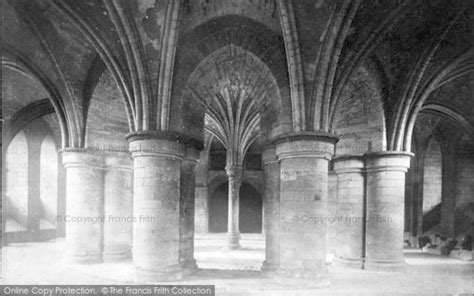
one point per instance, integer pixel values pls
(16, 191)
(48, 182)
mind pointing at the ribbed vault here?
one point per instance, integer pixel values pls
(239, 96)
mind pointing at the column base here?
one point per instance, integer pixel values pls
(83, 258)
(232, 242)
(269, 269)
(117, 256)
(190, 267)
(385, 266)
(304, 277)
(357, 263)
(172, 273)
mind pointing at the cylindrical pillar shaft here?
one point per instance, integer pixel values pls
(271, 204)
(201, 219)
(303, 206)
(156, 198)
(350, 206)
(234, 174)
(385, 210)
(84, 199)
(118, 208)
(188, 165)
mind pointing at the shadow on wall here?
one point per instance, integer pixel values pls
(250, 213)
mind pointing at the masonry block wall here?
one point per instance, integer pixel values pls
(107, 122)
(360, 119)
(464, 211)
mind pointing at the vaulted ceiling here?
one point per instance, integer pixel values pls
(420, 52)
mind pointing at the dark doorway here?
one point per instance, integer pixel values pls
(250, 215)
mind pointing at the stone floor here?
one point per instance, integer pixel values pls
(236, 272)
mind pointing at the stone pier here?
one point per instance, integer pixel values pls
(271, 206)
(385, 210)
(304, 161)
(84, 199)
(234, 173)
(187, 205)
(118, 213)
(350, 210)
(156, 199)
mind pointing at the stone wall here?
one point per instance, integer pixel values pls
(360, 119)
(465, 183)
(107, 123)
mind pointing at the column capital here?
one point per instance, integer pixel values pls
(118, 160)
(388, 161)
(348, 163)
(191, 154)
(158, 147)
(82, 157)
(166, 135)
(269, 155)
(234, 172)
(305, 144)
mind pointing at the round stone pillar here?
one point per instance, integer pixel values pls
(271, 204)
(350, 210)
(201, 212)
(118, 208)
(156, 210)
(385, 210)
(234, 173)
(187, 203)
(304, 161)
(84, 198)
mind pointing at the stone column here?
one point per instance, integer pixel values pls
(271, 206)
(84, 199)
(34, 202)
(201, 218)
(332, 212)
(186, 229)
(234, 174)
(3, 188)
(350, 216)
(201, 192)
(385, 210)
(118, 208)
(156, 194)
(304, 161)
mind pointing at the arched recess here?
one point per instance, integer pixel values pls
(250, 214)
(258, 47)
(231, 69)
(23, 117)
(432, 185)
(48, 182)
(33, 77)
(359, 119)
(16, 184)
(107, 120)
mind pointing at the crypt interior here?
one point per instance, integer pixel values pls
(262, 146)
